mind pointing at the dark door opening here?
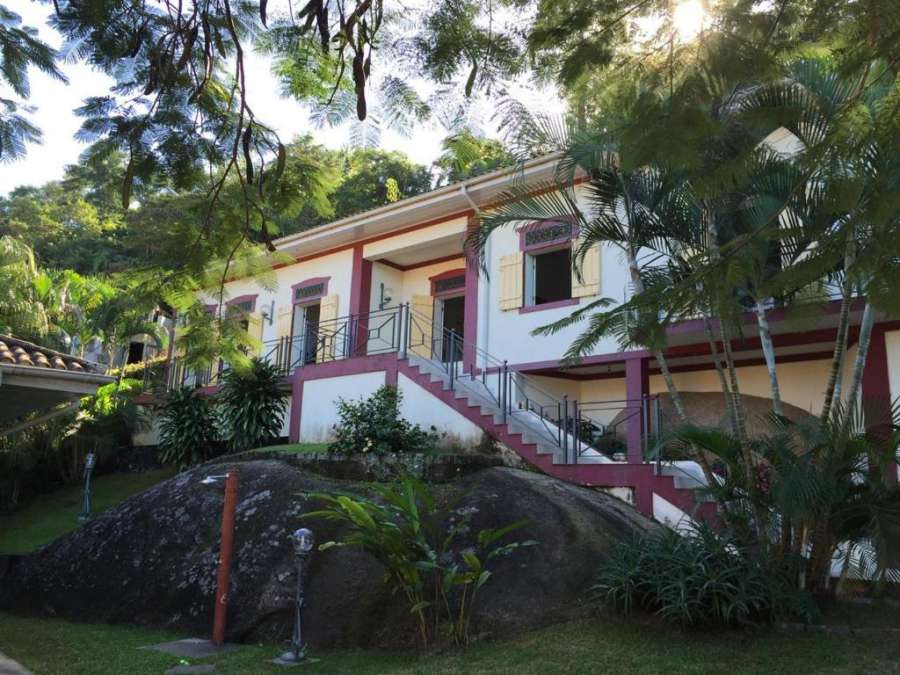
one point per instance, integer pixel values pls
(453, 312)
(311, 343)
(304, 334)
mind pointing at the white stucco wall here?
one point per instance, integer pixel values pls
(507, 334)
(420, 407)
(337, 266)
(318, 413)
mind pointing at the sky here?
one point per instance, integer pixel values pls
(54, 102)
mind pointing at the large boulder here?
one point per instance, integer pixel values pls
(152, 560)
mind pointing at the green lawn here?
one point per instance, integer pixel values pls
(52, 515)
(295, 448)
(51, 646)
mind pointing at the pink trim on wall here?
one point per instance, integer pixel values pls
(425, 263)
(876, 397)
(391, 374)
(313, 281)
(568, 302)
(637, 387)
(449, 274)
(360, 297)
(470, 307)
(251, 298)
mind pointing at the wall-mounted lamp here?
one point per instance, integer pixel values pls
(385, 299)
(268, 313)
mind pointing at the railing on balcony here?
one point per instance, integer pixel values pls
(366, 334)
(577, 428)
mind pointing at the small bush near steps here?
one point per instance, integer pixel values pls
(373, 426)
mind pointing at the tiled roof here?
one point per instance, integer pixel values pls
(22, 353)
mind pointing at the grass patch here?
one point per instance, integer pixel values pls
(51, 646)
(52, 515)
(295, 448)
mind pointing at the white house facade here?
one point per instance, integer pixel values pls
(389, 297)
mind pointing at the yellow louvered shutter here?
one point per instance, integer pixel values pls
(284, 320)
(589, 283)
(421, 325)
(511, 277)
(255, 329)
(326, 343)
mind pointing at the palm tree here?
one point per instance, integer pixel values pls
(842, 198)
(647, 214)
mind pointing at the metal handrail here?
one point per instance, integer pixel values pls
(568, 423)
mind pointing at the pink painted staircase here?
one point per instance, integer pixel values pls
(524, 433)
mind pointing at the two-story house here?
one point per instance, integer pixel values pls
(389, 296)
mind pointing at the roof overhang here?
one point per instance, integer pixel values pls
(452, 201)
(27, 389)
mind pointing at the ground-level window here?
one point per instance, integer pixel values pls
(548, 276)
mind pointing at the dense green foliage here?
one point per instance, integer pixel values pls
(252, 404)
(46, 456)
(188, 428)
(699, 577)
(374, 425)
(433, 560)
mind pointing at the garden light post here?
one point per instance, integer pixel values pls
(224, 574)
(89, 462)
(303, 542)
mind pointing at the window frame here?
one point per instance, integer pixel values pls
(307, 283)
(566, 232)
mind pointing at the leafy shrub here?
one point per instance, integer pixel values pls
(699, 578)
(188, 428)
(419, 544)
(373, 425)
(252, 405)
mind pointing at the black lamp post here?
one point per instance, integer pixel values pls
(89, 463)
(303, 542)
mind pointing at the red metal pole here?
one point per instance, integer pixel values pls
(231, 485)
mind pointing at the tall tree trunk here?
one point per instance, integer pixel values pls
(865, 336)
(833, 387)
(835, 376)
(765, 339)
(740, 418)
(723, 382)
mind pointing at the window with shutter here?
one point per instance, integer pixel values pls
(511, 276)
(588, 282)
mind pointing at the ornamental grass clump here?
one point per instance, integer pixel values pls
(699, 577)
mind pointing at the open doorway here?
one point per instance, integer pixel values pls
(305, 334)
(451, 312)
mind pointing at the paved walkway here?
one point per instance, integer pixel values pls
(10, 667)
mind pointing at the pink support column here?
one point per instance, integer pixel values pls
(470, 310)
(637, 387)
(876, 396)
(360, 293)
